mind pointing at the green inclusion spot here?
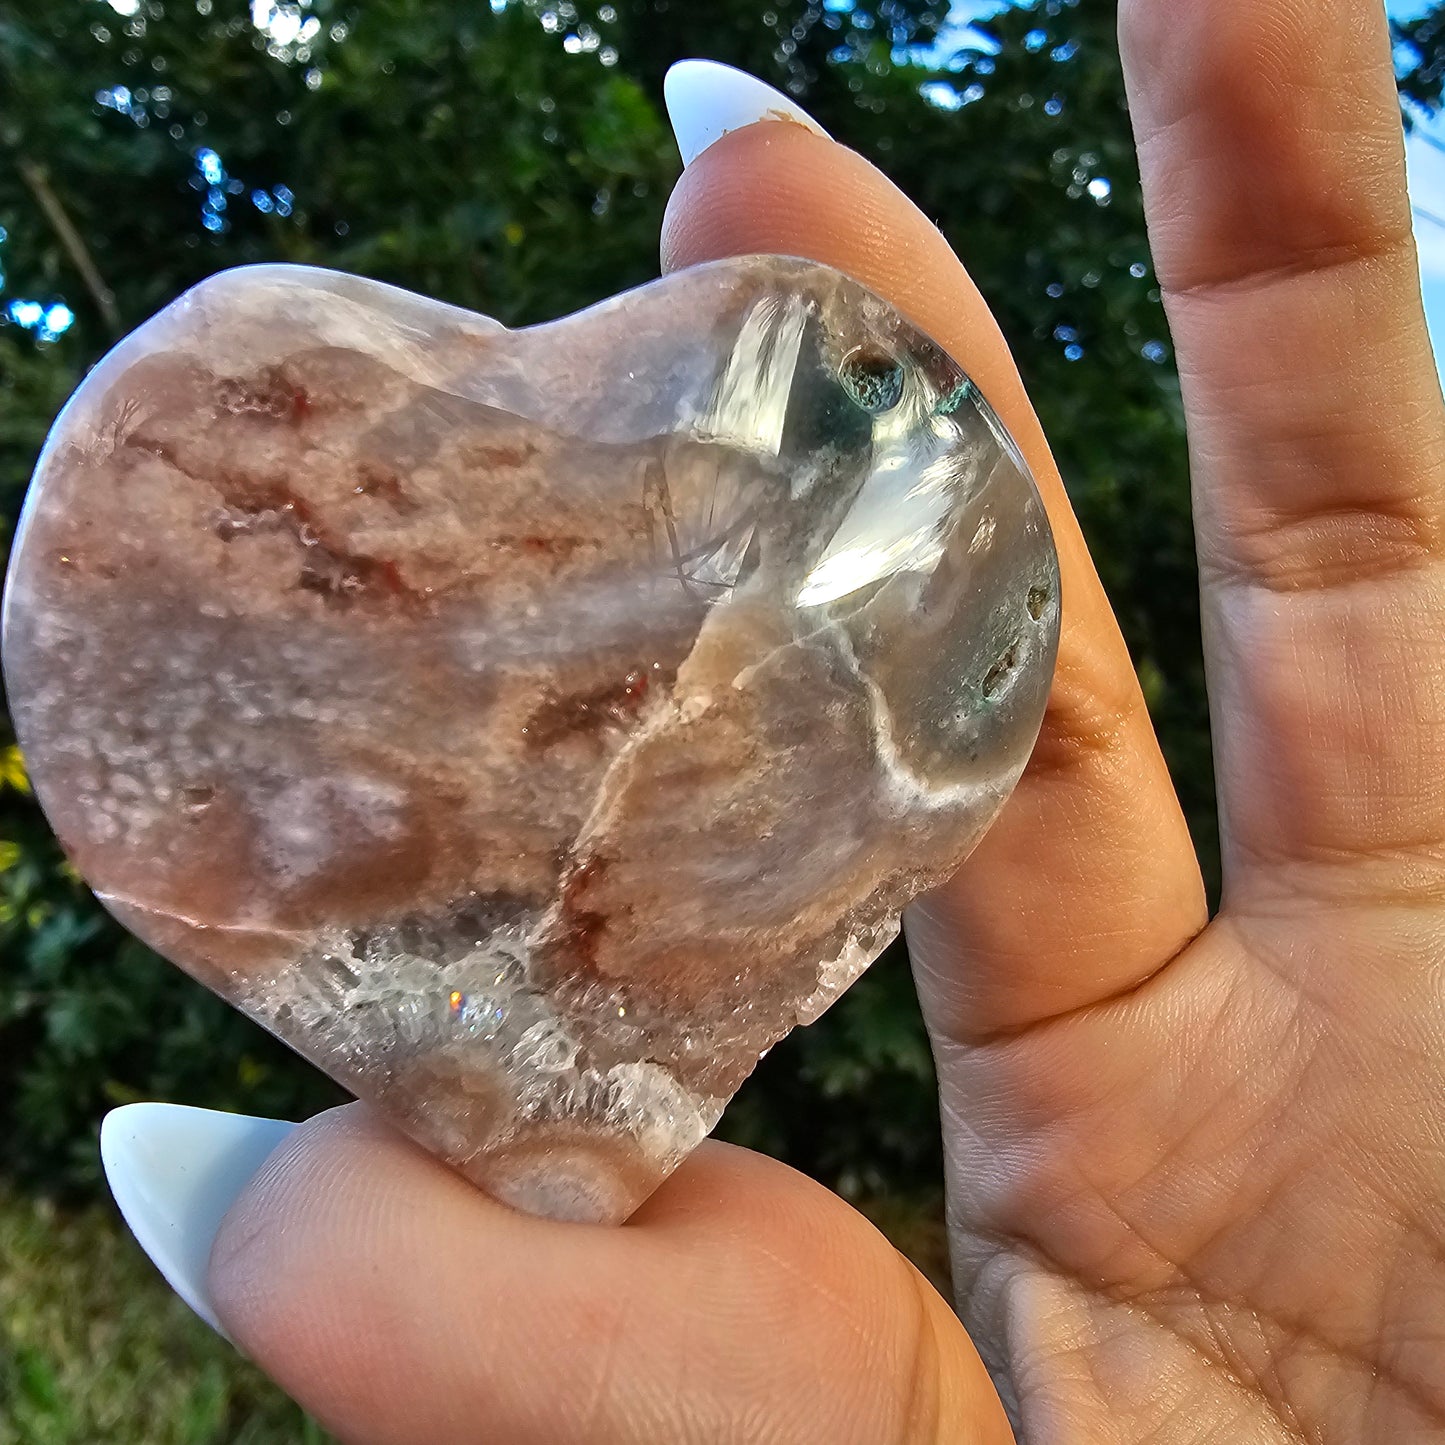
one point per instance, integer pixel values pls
(874, 379)
(955, 399)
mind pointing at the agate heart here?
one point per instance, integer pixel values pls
(529, 727)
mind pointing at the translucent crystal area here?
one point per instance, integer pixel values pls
(529, 727)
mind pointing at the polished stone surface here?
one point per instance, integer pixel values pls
(529, 727)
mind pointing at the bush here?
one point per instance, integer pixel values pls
(512, 158)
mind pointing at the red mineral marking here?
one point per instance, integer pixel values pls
(542, 546)
(583, 876)
(501, 456)
(585, 714)
(270, 392)
(582, 927)
(327, 566)
(375, 480)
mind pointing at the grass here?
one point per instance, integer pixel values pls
(94, 1346)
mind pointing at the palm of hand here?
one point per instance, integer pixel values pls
(1212, 1208)
(1196, 1173)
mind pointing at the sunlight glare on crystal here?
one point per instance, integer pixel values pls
(750, 401)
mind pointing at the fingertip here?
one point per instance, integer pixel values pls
(175, 1171)
(324, 1181)
(783, 190)
(705, 100)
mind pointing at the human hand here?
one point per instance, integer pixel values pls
(1196, 1173)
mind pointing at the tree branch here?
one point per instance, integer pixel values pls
(39, 186)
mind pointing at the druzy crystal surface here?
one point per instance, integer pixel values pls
(529, 727)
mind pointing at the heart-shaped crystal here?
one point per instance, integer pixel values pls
(529, 727)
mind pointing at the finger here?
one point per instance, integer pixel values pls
(1088, 881)
(1270, 144)
(743, 1303)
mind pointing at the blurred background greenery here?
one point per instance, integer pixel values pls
(511, 156)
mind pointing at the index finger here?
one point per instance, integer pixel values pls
(1088, 881)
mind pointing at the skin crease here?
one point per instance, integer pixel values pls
(1196, 1174)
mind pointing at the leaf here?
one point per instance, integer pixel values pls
(12, 769)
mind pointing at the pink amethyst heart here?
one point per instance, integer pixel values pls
(529, 727)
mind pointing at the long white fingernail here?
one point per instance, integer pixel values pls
(705, 100)
(174, 1172)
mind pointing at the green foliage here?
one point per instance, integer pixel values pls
(513, 159)
(1420, 59)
